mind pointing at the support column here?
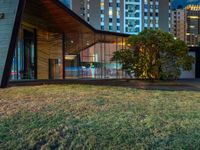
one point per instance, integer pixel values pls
(63, 55)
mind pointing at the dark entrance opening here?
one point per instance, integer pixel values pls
(197, 63)
(29, 55)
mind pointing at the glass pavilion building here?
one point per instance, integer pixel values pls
(47, 41)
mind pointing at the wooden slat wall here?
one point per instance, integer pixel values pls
(49, 46)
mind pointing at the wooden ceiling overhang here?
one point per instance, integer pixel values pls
(56, 17)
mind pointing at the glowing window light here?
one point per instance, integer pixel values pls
(110, 12)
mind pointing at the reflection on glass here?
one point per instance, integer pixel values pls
(23, 66)
(94, 62)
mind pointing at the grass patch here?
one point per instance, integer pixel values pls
(97, 117)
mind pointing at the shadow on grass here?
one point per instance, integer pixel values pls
(64, 131)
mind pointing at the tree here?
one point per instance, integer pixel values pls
(154, 54)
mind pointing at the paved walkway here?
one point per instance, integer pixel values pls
(178, 85)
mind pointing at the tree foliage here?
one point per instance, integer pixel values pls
(154, 54)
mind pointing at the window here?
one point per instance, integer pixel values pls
(110, 13)
(110, 28)
(118, 28)
(102, 27)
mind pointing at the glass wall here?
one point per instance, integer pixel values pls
(91, 57)
(96, 61)
(23, 66)
(86, 56)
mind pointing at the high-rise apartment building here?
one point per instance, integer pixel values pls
(178, 24)
(101, 14)
(146, 14)
(132, 16)
(193, 25)
(125, 16)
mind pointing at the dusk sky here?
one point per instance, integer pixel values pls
(184, 2)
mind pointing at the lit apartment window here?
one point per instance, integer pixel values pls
(110, 13)
(118, 13)
(102, 4)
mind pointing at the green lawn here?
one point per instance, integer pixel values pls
(98, 117)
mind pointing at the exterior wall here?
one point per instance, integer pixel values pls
(9, 8)
(164, 15)
(93, 16)
(178, 24)
(193, 25)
